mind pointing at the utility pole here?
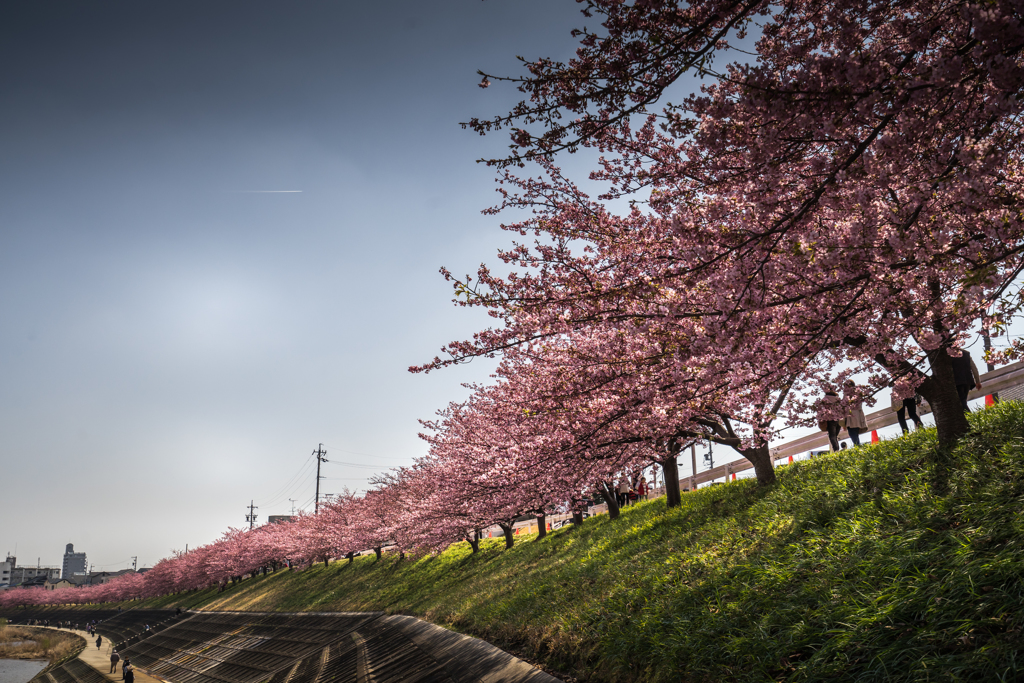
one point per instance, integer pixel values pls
(320, 454)
(709, 459)
(292, 501)
(135, 562)
(251, 517)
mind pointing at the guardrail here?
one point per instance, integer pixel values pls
(998, 380)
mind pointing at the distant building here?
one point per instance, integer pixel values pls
(19, 575)
(75, 565)
(96, 578)
(278, 519)
(59, 583)
(13, 575)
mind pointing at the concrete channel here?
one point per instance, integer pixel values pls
(307, 647)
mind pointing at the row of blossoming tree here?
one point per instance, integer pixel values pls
(844, 198)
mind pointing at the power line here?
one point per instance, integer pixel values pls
(368, 455)
(297, 477)
(355, 464)
(112, 564)
(297, 487)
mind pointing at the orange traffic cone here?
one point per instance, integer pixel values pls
(874, 436)
(791, 458)
(990, 400)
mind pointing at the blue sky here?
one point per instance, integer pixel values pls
(175, 344)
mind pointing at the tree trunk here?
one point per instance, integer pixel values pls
(542, 525)
(940, 392)
(351, 557)
(609, 499)
(401, 555)
(474, 540)
(509, 537)
(950, 421)
(670, 472)
(761, 458)
(326, 559)
(577, 517)
(377, 552)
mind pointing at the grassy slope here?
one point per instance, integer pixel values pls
(851, 568)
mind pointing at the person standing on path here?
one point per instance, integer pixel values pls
(903, 407)
(128, 672)
(114, 659)
(99, 641)
(856, 421)
(828, 418)
(965, 374)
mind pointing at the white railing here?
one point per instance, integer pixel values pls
(998, 380)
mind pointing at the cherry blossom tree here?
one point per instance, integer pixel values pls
(851, 194)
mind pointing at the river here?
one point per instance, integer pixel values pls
(20, 670)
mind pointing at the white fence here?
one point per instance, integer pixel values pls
(1007, 381)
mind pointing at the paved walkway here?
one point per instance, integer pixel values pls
(99, 659)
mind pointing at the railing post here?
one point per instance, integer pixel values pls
(693, 472)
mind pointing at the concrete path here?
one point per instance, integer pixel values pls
(99, 659)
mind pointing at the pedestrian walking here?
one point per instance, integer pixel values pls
(965, 374)
(128, 672)
(828, 418)
(114, 659)
(641, 488)
(623, 492)
(904, 407)
(99, 641)
(856, 421)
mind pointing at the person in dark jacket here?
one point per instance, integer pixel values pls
(965, 374)
(114, 659)
(828, 417)
(99, 641)
(128, 672)
(903, 407)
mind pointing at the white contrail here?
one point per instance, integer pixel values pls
(266, 191)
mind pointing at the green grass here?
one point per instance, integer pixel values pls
(850, 568)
